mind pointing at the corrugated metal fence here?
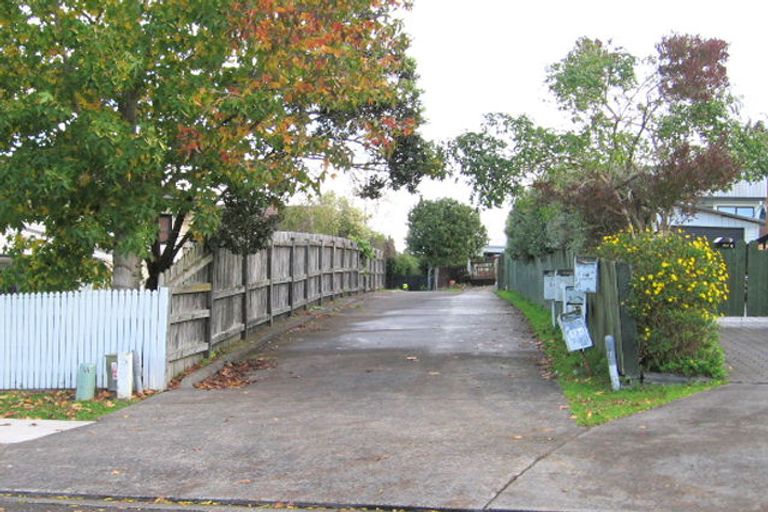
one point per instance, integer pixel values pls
(45, 336)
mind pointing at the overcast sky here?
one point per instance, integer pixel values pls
(480, 56)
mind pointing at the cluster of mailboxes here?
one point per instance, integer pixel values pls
(569, 289)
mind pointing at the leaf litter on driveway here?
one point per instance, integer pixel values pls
(236, 374)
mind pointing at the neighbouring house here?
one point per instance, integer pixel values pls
(738, 213)
(37, 231)
(483, 270)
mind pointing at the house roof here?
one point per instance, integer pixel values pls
(493, 249)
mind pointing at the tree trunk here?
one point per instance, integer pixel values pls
(437, 278)
(126, 273)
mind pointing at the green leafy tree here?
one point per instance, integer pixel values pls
(445, 232)
(536, 227)
(404, 264)
(647, 136)
(328, 214)
(112, 113)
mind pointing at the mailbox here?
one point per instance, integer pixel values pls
(575, 331)
(554, 280)
(585, 274)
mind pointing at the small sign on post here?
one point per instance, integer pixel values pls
(575, 331)
(124, 375)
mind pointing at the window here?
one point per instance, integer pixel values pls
(742, 211)
(166, 226)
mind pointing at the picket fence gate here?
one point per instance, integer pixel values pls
(45, 336)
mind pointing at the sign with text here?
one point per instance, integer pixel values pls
(585, 272)
(575, 331)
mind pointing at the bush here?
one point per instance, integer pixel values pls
(537, 226)
(677, 284)
(404, 264)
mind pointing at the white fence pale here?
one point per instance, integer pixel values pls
(45, 336)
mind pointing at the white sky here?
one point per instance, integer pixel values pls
(482, 56)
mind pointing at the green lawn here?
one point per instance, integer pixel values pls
(584, 379)
(56, 405)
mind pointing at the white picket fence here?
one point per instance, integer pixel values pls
(45, 336)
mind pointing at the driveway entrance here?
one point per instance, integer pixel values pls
(410, 399)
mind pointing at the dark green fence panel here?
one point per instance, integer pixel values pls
(606, 310)
(736, 260)
(607, 315)
(757, 281)
(527, 277)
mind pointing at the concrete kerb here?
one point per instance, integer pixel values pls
(154, 504)
(256, 343)
(744, 322)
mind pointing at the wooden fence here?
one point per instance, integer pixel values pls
(45, 336)
(606, 313)
(217, 297)
(747, 280)
(527, 277)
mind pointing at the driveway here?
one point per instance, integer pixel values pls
(416, 399)
(411, 399)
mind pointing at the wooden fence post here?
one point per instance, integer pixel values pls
(320, 269)
(333, 270)
(270, 279)
(306, 274)
(246, 293)
(210, 302)
(757, 270)
(629, 351)
(291, 264)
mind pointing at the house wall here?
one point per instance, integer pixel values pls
(745, 189)
(751, 229)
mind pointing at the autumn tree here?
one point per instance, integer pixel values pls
(112, 113)
(445, 232)
(646, 138)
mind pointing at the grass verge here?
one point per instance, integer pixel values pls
(57, 405)
(584, 379)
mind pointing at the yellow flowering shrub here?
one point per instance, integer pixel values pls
(677, 284)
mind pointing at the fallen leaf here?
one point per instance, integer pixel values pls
(246, 481)
(236, 374)
(517, 438)
(116, 471)
(434, 373)
(412, 358)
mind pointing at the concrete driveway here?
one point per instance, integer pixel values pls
(415, 399)
(411, 399)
